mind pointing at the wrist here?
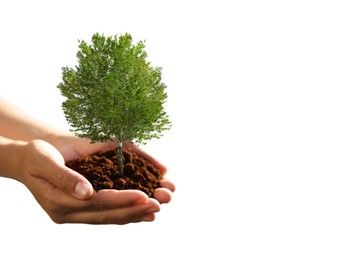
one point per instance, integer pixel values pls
(57, 137)
(11, 157)
(47, 134)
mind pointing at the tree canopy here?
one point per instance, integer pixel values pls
(114, 92)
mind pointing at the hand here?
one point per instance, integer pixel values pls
(72, 147)
(68, 197)
(163, 194)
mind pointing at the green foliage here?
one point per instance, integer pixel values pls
(114, 92)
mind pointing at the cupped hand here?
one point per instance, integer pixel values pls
(68, 197)
(72, 147)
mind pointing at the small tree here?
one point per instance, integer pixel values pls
(114, 93)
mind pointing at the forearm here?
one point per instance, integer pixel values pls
(11, 154)
(16, 124)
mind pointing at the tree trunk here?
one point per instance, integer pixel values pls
(120, 157)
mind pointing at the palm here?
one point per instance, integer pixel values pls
(72, 147)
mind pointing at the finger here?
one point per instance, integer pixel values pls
(63, 208)
(102, 200)
(72, 147)
(163, 195)
(70, 181)
(165, 183)
(112, 199)
(120, 216)
(49, 165)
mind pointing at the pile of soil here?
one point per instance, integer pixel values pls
(101, 169)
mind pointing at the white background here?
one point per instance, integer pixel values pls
(267, 143)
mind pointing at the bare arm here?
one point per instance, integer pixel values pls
(16, 124)
(10, 153)
(64, 194)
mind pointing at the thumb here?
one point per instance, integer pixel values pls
(73, 183)
(51, 167)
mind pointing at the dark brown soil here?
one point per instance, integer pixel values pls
(102, 171)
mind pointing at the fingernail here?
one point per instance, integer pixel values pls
(153, 209)
(140, 201)
(149, 217)
(81, 189)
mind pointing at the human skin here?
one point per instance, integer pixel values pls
(34, 154)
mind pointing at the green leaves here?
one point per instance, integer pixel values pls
(114, 91)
